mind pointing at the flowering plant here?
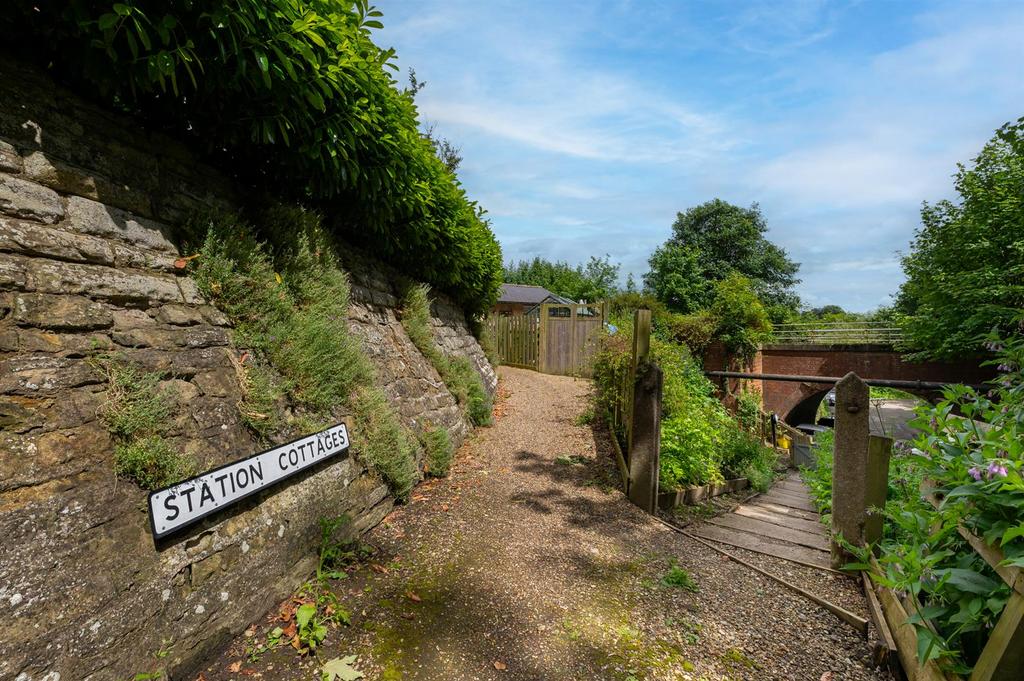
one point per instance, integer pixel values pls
(970, 454)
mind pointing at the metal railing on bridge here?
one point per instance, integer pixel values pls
(838, 333)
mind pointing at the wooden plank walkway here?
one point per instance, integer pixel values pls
(782, 522)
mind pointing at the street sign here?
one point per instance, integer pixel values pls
(184, 503)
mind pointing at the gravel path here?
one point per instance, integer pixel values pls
(528, 563)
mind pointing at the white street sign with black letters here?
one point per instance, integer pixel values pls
(186, 502)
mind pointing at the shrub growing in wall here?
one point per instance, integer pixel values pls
(457, 372)
(289, 306)
(292, 97)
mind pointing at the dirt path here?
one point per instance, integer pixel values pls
(527, 563)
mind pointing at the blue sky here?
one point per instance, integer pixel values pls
(586, 126)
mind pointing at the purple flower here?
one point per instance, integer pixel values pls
(995, 469)
(975, 473)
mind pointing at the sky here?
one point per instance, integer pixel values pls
(587, 126)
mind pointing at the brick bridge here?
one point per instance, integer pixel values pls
(797, 402)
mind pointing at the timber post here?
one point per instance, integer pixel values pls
(645, 436)
(849, 465)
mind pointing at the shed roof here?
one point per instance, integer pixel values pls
(529, 295)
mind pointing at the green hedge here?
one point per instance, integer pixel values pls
(293, 98)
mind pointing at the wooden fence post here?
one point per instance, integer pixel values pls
(645, 438)
(849, 464)
(641, 352)
(860, 470)
(876, 486)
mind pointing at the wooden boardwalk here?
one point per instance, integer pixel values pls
(782, 522)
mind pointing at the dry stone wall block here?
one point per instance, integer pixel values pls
(10, 160)
(29, 201)
(71, 179)
(104, 283)
(62, 313)
(91, 217)
(32, 239)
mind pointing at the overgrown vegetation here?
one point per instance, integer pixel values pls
(965, 268)
(971, 451)
(288, 298)
(438, 449)
(292, 97)
(458, 373)
(137, 411)
(701, 442)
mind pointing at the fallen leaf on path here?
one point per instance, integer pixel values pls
(288, 631)
(250, 632)
(408, 616)
(341, 668)
(412, 596)
(235, 667)
(499, 665)
(827, 676)
(377, 567)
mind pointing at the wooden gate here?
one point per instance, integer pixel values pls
(555, 339)
(516, 340)
(568, 338)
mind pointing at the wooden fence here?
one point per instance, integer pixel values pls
(555, 339)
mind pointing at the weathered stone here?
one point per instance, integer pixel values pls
(71, 179)
(63, 313)
(149, 337)
(184, 363)
(178, 315)
(34, 239)
(43, 374)
(29, 201)
(90, 217)
(170, 338)
(190, 292)
(214, 316)
(131, 319)
(220, 383)
(142, 259)
(10, 160)
(12, 273)
(105, 283)
(202, 336)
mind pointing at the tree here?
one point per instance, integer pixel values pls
(742, 322)
(965, 269)
(592, 282)
(711, 241)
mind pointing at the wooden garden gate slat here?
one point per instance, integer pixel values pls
(558, 339)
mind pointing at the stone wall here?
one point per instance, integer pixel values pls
(88, 207)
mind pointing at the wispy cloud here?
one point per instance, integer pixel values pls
(586, 126)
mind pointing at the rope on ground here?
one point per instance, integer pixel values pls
(858, 623)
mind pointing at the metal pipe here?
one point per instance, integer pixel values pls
(878, 382)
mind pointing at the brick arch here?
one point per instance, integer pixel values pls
(791, 400)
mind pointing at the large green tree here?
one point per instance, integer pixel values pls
(708, 243)
(597, 280)
(965, 269)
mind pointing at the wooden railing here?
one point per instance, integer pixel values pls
(838, 333)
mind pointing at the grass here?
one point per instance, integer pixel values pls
(678, 578)
(586, 417)
(288, 299)
(458, 372)
(438, 449)
(385, 444)
(137, 412)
